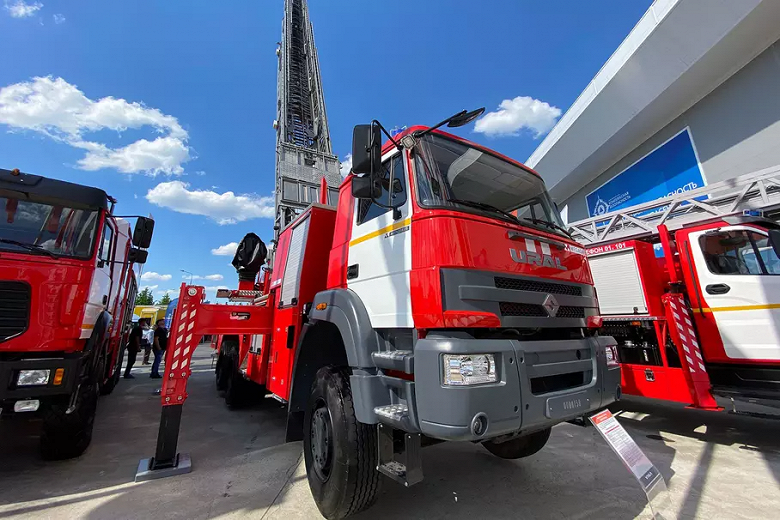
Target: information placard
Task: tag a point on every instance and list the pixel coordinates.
(636, 461)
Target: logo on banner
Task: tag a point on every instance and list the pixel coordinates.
(601, 207)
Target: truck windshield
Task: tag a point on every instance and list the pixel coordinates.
(40, 228)
(456, 176)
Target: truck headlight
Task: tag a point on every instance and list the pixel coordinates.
(32, 377)
(612, 355)
(469, 369)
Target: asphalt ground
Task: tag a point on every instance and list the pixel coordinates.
(716, 466)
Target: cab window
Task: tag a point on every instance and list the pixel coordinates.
(105, 244)
(739, 252)
(368, 209)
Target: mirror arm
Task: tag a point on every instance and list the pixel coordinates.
(420, 133)
(382, 128)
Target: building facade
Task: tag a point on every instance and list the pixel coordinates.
(690, 98)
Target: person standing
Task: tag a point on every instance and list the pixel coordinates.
(147, 338)
(133, 347)
(159, 346)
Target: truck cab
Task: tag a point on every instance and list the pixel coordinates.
(463, 267)
(67, 271)
(731, 276)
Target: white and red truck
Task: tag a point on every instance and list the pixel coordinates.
(440, 300)
(67, 288)
(689, 286)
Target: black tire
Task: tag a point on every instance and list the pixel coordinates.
(221, 374)
(67, 435)
(108, 387)
(340, 452)
(519, 447)
(236, 387)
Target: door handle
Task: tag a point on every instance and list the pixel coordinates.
(352, 271)
(717, 288)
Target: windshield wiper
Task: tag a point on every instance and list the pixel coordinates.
(28, 246)
(482, 205)
(549, 224)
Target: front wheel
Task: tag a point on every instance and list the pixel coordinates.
(67, 432)
(519, 447)
(340, 452)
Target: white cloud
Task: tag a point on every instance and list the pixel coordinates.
(200, 173)
(224, 208)
(59, 110)
(150, 287)
(164, 154)
(22, 9)
(346, 165)
(151, 276)
(513, 115)
(226, 250)
(59, 18)
(211, 277)
(169, 292)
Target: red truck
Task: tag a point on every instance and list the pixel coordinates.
(688, 285)
(440, 300)
(67, 289)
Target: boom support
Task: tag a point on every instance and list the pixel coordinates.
(192, 320)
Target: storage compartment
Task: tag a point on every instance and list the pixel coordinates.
(617, 281)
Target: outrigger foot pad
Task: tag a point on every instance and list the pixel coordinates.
(147, 471)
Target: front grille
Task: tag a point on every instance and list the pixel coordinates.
(14, 309)
(522, 309)
(567, 311)
(516, 284)
(532, 310)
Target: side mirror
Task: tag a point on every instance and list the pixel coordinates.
(366, 149)
(142, 235)
(366, 187)
(774, 239)
(137, 256)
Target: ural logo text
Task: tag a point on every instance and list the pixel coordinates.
(540, 260)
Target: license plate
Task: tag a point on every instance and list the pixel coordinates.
(567, 405)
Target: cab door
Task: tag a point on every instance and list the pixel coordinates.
(380, 256)
(739, 285)
(100, 288)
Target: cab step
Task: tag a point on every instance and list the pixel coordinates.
(396, 416)
(407, 468)
(400, 360)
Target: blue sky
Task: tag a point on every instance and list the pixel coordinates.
(168, 105)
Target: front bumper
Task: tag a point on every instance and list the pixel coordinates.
(539, 386)
(9, 370)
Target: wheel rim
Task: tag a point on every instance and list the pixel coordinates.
(321, 437)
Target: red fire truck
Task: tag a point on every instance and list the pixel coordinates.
(421, 309)
(67, 288)
(688, 287)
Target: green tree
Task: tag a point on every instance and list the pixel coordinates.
(165, 300)
(145, 297)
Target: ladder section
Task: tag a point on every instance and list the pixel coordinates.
(756, 191)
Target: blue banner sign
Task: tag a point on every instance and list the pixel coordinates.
(169, 313)
(671, 168)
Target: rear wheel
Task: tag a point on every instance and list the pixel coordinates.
(340, 452)
(519, 447)
(236, 387)
(108, 386)
(68, 432)
(221, 373)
